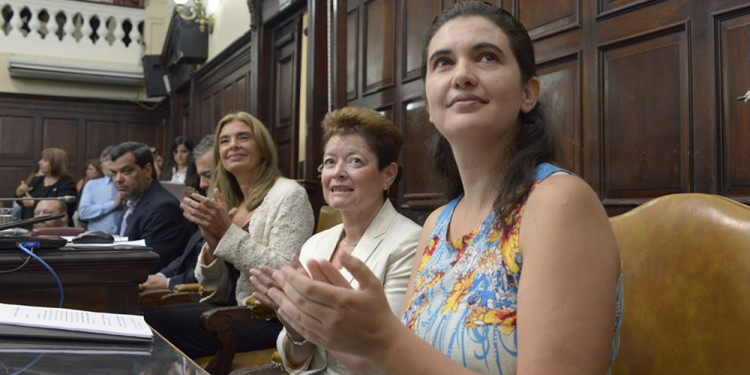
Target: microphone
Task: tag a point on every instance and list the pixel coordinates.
(64, 198)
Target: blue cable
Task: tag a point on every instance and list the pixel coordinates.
(29, 365)
(59, 284)
(27, 251)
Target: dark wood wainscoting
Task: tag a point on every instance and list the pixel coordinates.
(82, 127)
(642, 93)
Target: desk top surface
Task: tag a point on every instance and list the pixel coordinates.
(59, 358)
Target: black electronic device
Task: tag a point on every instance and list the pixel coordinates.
(185, 42)
(94, 236)
(154, 75)
(11, 242)
(31, 220)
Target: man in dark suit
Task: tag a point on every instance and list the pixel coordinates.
(182, 269)
(152, 213)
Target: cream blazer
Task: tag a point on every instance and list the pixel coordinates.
(387, 248)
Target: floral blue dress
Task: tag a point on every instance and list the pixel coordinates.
(464, 301)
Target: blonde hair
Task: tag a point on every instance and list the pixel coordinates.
(226, 182)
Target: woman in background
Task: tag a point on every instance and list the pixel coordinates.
(54, 180)
(519, 273)
(92, 170)
(176, 167)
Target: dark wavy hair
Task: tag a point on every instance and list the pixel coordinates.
(206, 144)
(169, 163)
(534, 141)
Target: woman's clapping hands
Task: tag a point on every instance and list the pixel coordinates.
(328, 312)
(210, 214)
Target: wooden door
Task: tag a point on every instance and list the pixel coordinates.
(284, 112)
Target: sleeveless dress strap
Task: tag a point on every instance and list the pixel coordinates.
(545, 170)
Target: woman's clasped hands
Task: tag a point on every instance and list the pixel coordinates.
(211, 215)
(322, 307)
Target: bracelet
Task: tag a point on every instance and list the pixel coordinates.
(295, 342)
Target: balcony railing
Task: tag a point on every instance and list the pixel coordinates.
(72, 30)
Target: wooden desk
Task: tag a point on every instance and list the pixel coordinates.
(162, 358)
(94, 280)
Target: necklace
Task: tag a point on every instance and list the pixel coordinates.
(345, 242)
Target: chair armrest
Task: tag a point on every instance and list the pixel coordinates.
(219, 321)
(192, 287)
(181, 297)
(267, 369)
(150, 298)
(221, 318)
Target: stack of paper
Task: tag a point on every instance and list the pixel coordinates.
(46, 325)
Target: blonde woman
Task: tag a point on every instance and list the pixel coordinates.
(252, 216)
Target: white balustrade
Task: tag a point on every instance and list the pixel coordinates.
(23, 32)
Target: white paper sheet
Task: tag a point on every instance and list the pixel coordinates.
(75, 320)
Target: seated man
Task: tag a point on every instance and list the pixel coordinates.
(100, 204)
(152, 213)
(51, 207)
(182, 269)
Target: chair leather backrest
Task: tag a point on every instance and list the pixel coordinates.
(57, 231)
(686, 279)
(327, 218)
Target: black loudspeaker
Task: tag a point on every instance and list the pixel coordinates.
(155, 76)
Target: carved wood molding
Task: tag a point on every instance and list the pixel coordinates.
(254, 7)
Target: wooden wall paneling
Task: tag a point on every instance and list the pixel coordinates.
(317, 85)
(379, 47)
(733, 74)
(611, 7)
(352, 53)
(642, 92)
(498, 3)
(206, 114)
(17, 152)
(81, 126)
(241, 93)
(217, 102)
(418, 130)
(221, 86)
(145, 133)
(561, 100)
(416, 18)
(17, 137)
(543, 18)
(185, 116)
(229, 99)
(97, 136)
(645, 117)
(284, 121)
(62, 133)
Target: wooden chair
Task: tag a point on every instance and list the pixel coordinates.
(328, 217)
(181, 293)
(220, 320)
(686, 278)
